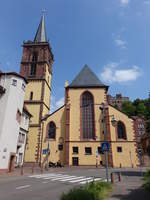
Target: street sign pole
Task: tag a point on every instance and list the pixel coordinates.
(47, 156)
(106, 152)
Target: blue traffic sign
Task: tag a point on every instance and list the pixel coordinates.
(105, 146)
(44, 151)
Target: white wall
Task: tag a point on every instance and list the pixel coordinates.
(24, 127)
(11, 101)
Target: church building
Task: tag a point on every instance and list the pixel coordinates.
(74, 133)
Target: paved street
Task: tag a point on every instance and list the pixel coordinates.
(49, 185)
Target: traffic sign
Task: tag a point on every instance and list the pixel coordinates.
(105, 146)
(44, 151)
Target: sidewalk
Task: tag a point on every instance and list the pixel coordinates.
(129, 189)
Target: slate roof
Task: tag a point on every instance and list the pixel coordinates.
(86, 78)
(41, 33)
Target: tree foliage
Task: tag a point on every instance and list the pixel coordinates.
(129, 108)
(139, 107)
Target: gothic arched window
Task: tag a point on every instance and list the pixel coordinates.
(51, 130)
(34, 63)
(87, 116)
(121, 130)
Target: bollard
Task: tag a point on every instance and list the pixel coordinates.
(22, 172)
(119, 176)
(112, 177)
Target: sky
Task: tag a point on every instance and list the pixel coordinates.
(111, 36)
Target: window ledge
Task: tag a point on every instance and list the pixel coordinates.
(88, 154)
(92, 140)
(51, 139)
(121, 139)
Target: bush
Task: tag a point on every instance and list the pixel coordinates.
(146, 184)
(100, 190)
(91, 191)
(78, 194)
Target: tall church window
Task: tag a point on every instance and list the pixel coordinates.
(51, 130)
(87, 115)
(121, 130)
(34, 64)
(31, 96)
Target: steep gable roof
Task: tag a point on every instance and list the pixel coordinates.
(86, 78)
(41, 33)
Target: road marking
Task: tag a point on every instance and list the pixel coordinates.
(45, 182)
(88, 181)
(56, 176)
(75, 177)
(81, 179)
(66, 178)
(60, 178)
(22, 187)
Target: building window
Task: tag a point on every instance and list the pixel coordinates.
(100, 150)
(18, 116)
(60, 147)
(75, 150)
(23, 86)
(121, 130)
(14, 82)
(21, 138)
(119, 149)
(87, 115)
(31, 96)
(52, 130)
(34, 64)
(88, 150)
(20, 158)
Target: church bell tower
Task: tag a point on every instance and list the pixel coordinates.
(36, 67)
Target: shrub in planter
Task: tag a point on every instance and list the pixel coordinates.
(91, 191)
(78, 194)
(100, 190)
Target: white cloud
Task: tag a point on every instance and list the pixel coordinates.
(124, 2)
(111, 73)
(120, 43)
(55, 104)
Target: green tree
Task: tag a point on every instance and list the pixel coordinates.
(128, 108)
(141, 109)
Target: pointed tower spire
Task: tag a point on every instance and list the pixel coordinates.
(41, 33)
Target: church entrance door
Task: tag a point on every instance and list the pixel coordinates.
(75, 161)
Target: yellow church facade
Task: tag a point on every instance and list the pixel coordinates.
(79, 148)
(75, 132)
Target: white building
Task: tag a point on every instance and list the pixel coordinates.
(11, 105)
(22, 137)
